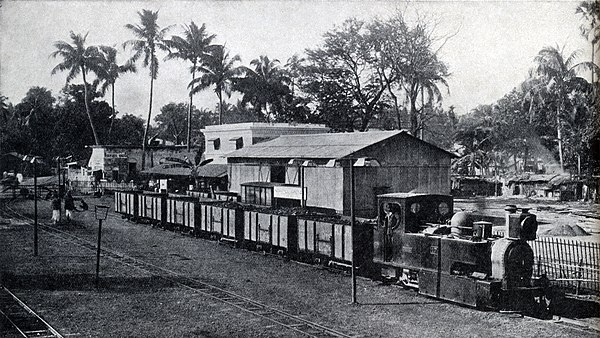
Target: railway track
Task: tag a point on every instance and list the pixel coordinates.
(23, 319)
(279, 317)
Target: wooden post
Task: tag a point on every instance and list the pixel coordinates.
(352, 223)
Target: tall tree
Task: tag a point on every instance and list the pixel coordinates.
(194, 47)
(219, 70)
(264, 86)
(559, 73)
(109, 72)
(590, 15)
(149, 39)
(347, 60)
(77, 58)
(411, 53)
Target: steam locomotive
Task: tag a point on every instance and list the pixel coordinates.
(416, 241)
(461, 261)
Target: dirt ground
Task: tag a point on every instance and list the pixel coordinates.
(550, 214)
(59, 285)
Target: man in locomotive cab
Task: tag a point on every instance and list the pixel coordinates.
(391, 222)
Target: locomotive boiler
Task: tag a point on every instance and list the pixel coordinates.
(460, 262)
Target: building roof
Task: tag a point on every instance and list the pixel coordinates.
(318, 146)
(212, 170)
(169, 169)
(264, 125)
(178, 169)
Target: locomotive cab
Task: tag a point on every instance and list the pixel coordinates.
(399, 238)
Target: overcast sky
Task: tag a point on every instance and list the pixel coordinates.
(491, 53)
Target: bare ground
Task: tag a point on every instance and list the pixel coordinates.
(59, 284)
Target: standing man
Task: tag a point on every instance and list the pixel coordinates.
(55, 208)
(69, 206)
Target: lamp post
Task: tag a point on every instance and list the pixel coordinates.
(352, 222)
(356, 162)
(101, 212)
(33, 160)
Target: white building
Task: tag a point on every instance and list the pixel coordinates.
(220, 140)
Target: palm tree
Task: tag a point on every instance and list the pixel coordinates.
(78, 59)
(150, 37)
(219, 70)
(559, 73)
(109, 73)
(264, 85)
(193, 47)
(590, 15)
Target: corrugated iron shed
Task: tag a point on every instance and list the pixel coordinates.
(317, 146)
(212, 170)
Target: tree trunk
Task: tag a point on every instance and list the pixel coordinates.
(145, 140)
(220, 95)
(114, 113)
(87, 107)
(559, 136)
(189, 121)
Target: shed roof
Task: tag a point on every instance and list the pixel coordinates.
(169, 169)
(212, 170)
(328, 146)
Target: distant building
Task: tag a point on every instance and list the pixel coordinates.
(122, 163)
(314, 170)
(222, 139)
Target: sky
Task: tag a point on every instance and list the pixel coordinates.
(491, 52)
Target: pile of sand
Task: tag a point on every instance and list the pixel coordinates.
(565, 230)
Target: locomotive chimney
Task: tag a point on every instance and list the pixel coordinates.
(513, 222)
(529, 225)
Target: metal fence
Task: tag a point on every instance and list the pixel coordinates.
(572, 264)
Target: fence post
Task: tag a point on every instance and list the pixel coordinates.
(578, 277)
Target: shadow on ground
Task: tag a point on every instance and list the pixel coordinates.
(570, 307)
(81, 282)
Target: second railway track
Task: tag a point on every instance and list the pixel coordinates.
(279, 317)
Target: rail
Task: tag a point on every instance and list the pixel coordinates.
(282, 318)
(24, 320)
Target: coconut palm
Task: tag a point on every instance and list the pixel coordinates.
(590, 15)
(559, 73)
(77, 58)
(109, 72)
(149, 38)
(193, 47)
(220, 71)
(263, 86)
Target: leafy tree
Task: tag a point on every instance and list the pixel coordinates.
(193, 47)
(77, 58)
(71, 132)
(346, 68)
(220, 71)
(172, 121)
(263, 87)
(149, 38)
(108, 72)
(415, 67)
(128, 130)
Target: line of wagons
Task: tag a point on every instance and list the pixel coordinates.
(325, 239)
